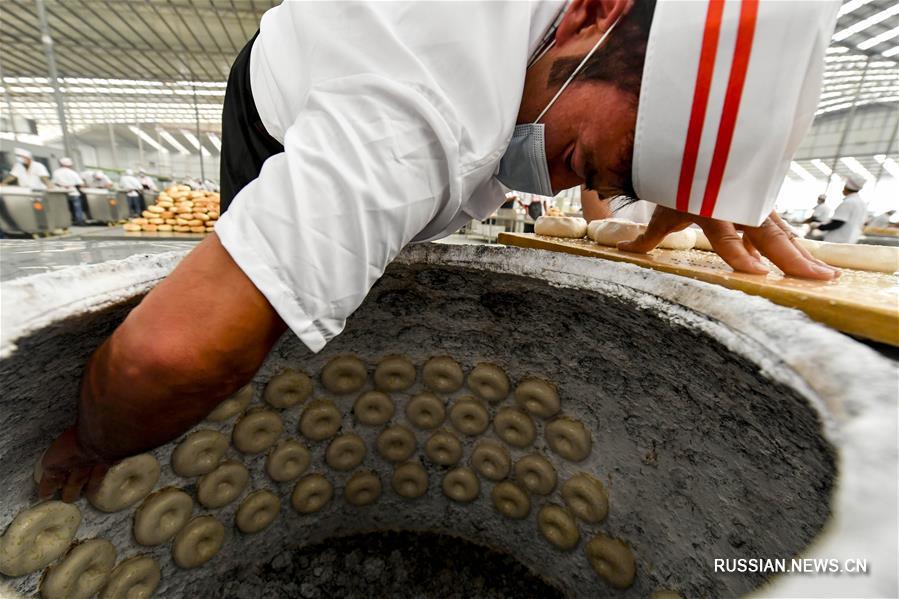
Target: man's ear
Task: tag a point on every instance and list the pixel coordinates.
(584, 15)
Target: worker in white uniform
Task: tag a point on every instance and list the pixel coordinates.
(132, 187)
(27, 172)
(68, 178)
(353, 129)
(848, 220)
(99, 180)
(146, 181)
(821, 213)
(882, 220)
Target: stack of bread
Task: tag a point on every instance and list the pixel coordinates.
(179, 209)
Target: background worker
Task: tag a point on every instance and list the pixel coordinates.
(821, 213)
(27, 172)
(429, 116)
(848, 220)
(132, 187)
(68, 178)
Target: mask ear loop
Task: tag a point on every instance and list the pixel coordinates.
(576, 70)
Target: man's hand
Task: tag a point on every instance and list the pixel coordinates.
(773, 239)
(69, 467)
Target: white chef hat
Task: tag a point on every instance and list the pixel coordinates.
(729, 90)
(854, 182)
(23, 153)
(65, 161)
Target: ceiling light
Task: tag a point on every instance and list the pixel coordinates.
(146, 138)
(856, 167)
(851, 6)
(174, 142)
(195, 142)
(801, 172)
(891, 166)
(882, 37)
(819, 164)
(215, 141)
(865, 23)
(891, 52)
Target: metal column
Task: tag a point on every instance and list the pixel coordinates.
(140, 148)
(199, 140)
(846, 129)
(9, 110)
(115, 150)
(51, 71)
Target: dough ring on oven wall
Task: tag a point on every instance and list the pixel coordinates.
(311, 493)
(514, 427)
(469, 416)
(396, 443)
(491, 459)
(345, 452)
(37, 536)
(232, 406)
(569, 438)
(394, 373)
(287, 389)
(320, 420)
(200, 452)
(489, 382)
(223, 485)
(81, 573)
(538, 397)
(198, 542)
(126, 483)
(426, 411)
(586, 498)
(287, 461)
(257, 511)
(344, 374)
(410, 480)
(134, 578)
(442, 374)
(373, 408)
(161, 516)
(257, 430)
(613, 560)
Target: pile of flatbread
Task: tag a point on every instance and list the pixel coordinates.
(179, 209)
(611, 231)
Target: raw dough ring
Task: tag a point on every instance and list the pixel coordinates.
(610, 231)
(569, 438)
(287, 460)
(557, 526)
(396, 443)
(586, 498)
(613, 560)
(311, 493)
(461, 484)
(876, 258)
(426, 411)
(538, 397)
(442, 374)
(232, 406)
(81, 573)
(126, 483)
(320, 420)
(410, 480)
(491, 459)
(444, 448)
(489, 382)
(37, 536)
(394, 373)
(257, 430)
(536, 473)
(161, 516)
(514, 427)
(135, 578)
(344, 374)
(345, 452)
(373, 408)
(574, 227)
(469, 416)
(200, 452)
(362, 489)
(257, 511)
(198, 542)
(223, 485)
(287, 389)
(511, 500)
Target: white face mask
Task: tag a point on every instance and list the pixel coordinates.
(524, 167)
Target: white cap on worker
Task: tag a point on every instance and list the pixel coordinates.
(129, 172)
(854, 182)
(23, 153)
(729, 90)
(65, 161)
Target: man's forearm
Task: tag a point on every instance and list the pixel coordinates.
(830, 226)
(195, 339)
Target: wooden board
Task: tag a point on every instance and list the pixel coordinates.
(865, 304)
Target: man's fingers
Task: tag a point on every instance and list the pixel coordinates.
(76, 481)
(50, 483)
(655, 232)
(776, 245)
(751, 249)
(730, 246)
(791, 234)
(96, 477)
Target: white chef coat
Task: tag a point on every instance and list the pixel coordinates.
(148, 182)
(822, 213)
(853, 212)
(67, 178)
(638, 212)
(881, 220)
(130, 183)
(30, 177)
(393, 116)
